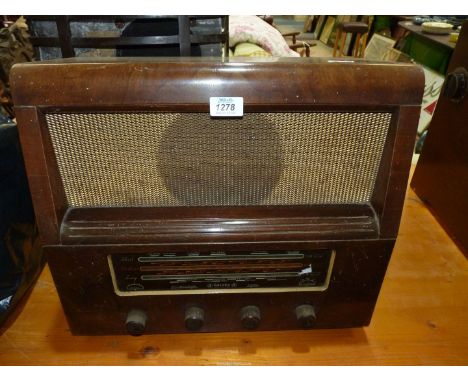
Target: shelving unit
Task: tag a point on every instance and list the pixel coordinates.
(68, 42)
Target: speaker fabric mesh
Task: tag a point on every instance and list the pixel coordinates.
(189, 159)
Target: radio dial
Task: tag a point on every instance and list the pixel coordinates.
(250, 317)
(136, 322)
(194, 318)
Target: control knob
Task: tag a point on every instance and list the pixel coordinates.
(305, 315)
(194, 318)
(456, 84)
(250, 317)
(136, 322)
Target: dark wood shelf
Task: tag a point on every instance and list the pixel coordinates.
(67, 42)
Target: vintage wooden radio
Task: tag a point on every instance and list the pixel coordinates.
(179, 195)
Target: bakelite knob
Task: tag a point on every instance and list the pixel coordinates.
(305, 315)
(456, 85)
(194, 318)
(136, 322)
(250, 317)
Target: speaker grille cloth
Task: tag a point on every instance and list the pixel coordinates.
(189, 159)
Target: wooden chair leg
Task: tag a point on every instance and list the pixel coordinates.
(364, 42)
(335, 46)
(342, 44)
(356, 45)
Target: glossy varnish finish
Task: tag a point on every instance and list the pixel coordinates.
(189, 82)
(78, 241)
(197, 224)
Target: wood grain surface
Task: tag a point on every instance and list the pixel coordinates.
(442, 172)
(421, 318)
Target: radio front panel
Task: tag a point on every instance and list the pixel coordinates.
(340, 290)
(161, 212)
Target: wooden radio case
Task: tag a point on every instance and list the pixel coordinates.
(157, 217)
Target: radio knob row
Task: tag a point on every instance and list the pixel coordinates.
(250, 317)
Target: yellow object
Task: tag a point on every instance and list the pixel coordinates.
(453, 37)
(248, 49)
